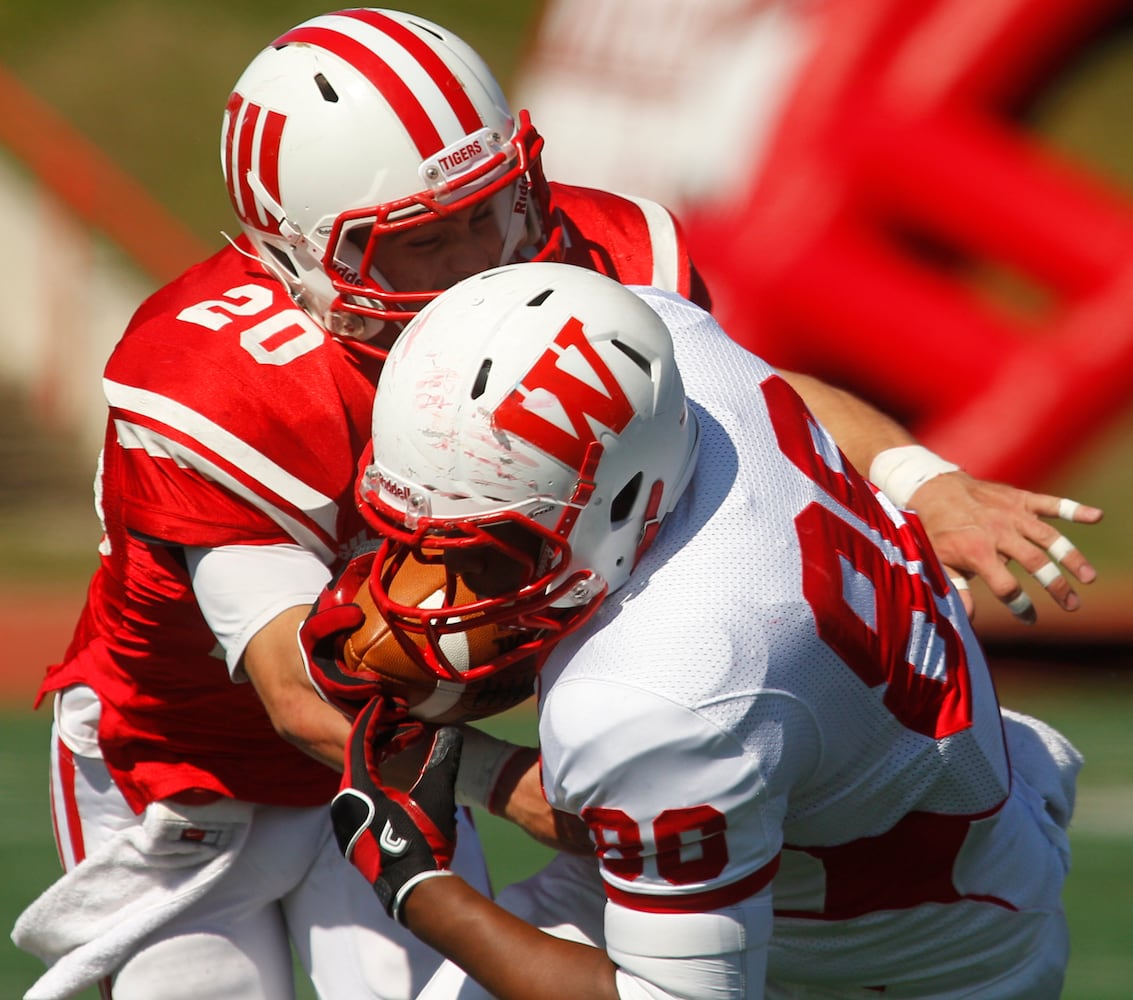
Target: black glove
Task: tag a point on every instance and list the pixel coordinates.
(396, 839)
(332, 620)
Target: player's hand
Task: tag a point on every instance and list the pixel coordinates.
(977, 528)
(331, 621)
(397, 839)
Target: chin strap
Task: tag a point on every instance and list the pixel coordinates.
(250, 254)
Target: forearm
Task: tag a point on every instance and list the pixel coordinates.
(506, 955)
(504, 780)
(313, 726)
(860, 429)
(976, 528)
(274, 665)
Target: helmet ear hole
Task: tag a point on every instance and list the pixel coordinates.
(635, 356)
(330, 95)
(623, 503)
(482, 378)
(282, 259)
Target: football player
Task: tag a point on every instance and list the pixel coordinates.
(798, 785)
(371, 160)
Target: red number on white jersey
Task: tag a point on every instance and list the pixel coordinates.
(877, 597)
(690, 843)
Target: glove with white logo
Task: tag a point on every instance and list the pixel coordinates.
(396, 839)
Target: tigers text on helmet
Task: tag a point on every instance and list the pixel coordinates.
(364, 123)
(532, 417)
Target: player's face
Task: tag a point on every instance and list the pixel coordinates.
(438, 254)
(497, 570)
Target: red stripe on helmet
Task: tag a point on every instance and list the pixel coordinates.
(412, 114)
(243, 118)
(447, 83)
(235, 103)
(269, 152)
(242, 162)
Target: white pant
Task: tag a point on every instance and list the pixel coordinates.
(287, 884)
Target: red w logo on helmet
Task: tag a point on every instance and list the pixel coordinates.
(555, 410)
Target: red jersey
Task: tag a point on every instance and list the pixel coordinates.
(235, 419)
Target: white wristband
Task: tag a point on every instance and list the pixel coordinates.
(900, 472)
(410, 884)
(481, 762)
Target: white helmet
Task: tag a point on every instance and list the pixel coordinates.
(360, 123)
(536, 396)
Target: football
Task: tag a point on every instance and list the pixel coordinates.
(372, 649)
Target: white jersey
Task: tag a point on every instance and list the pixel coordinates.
(787, 699)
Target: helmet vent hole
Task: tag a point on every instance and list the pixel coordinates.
(282, 259)
(540, 298)
(330, 95)
(636, 357)
(425, 28)
(482, 378)
(623, 503)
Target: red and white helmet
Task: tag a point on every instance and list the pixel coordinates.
(364, 122)
(539, 399)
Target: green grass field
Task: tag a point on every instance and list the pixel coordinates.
(1091, 709)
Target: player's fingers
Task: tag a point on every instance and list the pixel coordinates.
(1066, 554)
(1060, 548)
(1040, 549)
(1004, 585)
(964, 591)
(1049, 576)
(1021, 606)
(1063, 508)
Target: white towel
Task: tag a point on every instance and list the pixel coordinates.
(86, 924)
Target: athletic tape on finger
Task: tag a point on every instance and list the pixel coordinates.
(1046, 574)
(959, 583)
(1060, 548)
(1067, 508)
(1019, 605)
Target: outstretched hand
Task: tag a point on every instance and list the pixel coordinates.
(977, 528)
(397, 839)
